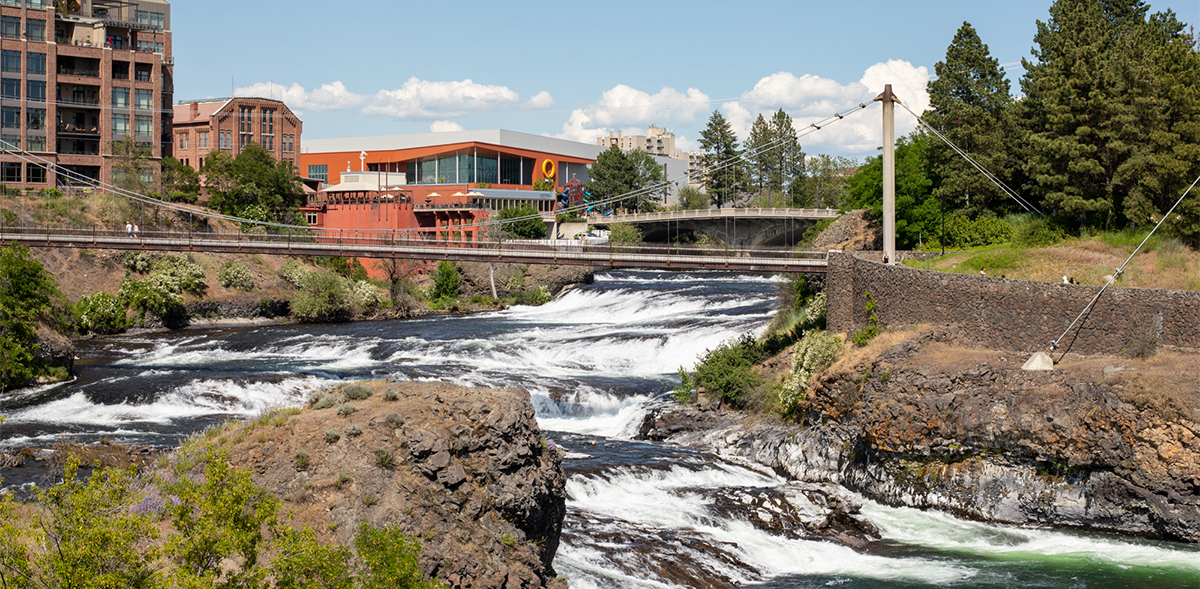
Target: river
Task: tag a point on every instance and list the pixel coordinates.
(639, 514)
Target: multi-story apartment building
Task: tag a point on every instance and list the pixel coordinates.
(77, 78)
(201, 127)
(657, 141)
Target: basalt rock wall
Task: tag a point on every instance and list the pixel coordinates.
(1009, 314)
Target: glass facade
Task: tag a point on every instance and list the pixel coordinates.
(120, 125)
(37, 143)
(37, 90)
(120, 97)
(35, 29)
(35, 63)
(320, 172)
(10, 87)
(471, 167)
(10, 61)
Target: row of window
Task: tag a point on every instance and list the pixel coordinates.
(10, 117)
(38, 4)
(10, 28)
(154, 19)
(10, 62)
(319, 172)
(143, 98)
(142, 125)
(10, 173)
(32, 142)
(11, 88)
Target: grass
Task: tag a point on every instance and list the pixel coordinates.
(1164, 262)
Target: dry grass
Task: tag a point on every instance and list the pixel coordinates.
(1165, 263)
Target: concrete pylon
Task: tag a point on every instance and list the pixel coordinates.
(889, 171)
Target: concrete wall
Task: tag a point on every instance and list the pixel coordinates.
(1008, 314)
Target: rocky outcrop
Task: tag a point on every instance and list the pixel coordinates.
(1096, 447)
(466, 471)
(519, 277)
(54, 355)
(850, 232)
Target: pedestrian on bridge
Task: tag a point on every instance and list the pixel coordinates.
(128, 229)
(135, 230)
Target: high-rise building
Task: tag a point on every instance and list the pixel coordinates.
(230, 124)
(74, 80)
(656, 141)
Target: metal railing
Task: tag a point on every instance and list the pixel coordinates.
(774, 213)
(432, 243)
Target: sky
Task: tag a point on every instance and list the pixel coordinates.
(578, 70)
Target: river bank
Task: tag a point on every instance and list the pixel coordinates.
(919, 419)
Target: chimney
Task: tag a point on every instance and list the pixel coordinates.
(195, 109)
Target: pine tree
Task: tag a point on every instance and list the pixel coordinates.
(790, 169)
(760, 159)
(971, 106)
(1111, 110)
(725, 175)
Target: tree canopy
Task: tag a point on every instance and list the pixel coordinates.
(253, 185)
(725, 175)
(618, 173)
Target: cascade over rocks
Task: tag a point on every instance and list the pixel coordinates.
(1090, 445)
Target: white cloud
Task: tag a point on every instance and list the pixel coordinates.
(445, 126)
(628, 109)
(810, 99)
(416, 99)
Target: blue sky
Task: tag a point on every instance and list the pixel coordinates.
(578, 70)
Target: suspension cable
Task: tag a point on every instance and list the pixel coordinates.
(1055, 344)
(1025, 204)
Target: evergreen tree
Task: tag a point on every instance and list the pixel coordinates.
(971, 106)
(613, 174)
(760, 160)
(1111, 110)
(725, 175)
(790, 169)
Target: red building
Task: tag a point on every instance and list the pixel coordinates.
(230, 124)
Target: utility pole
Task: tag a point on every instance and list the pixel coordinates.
(889, 171)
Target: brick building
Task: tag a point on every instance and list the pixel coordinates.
(230, 124)
(73, 82)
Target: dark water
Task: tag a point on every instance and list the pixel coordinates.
(638, 513)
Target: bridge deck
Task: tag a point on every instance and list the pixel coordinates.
(389, 245)
(714, 214)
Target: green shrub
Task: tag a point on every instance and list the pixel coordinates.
(300, 459)
(391, 395)
(816, 351)
(353, 431)
(179, 273)
(325, 298)
(323, 399)
(727, 371)
(1037, 233)
(446, 281)
(624, 233)
(234, 274)
(533, 297)
(155, 297)
(345, 410)
(384, 459)
(138, 262)
(100, 313)
(331, 436)
(356, 392)
(394, 420)
(963, 232)
(530, 226)
(294, 272)
(10, 218)
(367, 297)
(28, 296)
(872, 328)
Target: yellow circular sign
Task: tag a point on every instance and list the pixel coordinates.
(548, 169)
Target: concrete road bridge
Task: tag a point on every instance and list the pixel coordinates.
(391, 244)
(739, 227)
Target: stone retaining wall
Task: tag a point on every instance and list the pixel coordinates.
(1010, 314)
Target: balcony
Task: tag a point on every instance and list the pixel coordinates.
(66, 71)
(73, 129)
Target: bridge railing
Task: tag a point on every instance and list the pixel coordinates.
(714, 214)
(362, 242)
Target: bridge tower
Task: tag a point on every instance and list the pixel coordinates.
(889, 171)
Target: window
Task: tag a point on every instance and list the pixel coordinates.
(143, 17)
(10, 61)
(149, 47)
(143, 125)
(10, 117)
(35, 29)
(36, 117)
(245, 139)
(35, 173)
(320, 172)
(183, 141)
(10, 141)
(120, 125)
(10, 88)
(229, 140)
(203, 140)
(10, 2)
(269, 142)
(143, 99)
(35, 3)
(10, 172)
(268, 121)
(35, 64)
(120, 97)
(245, 119)
(156, 19)
(10, 27)
(37, 90)
(36, 143)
